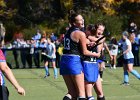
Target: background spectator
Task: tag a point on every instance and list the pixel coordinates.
(2, 34)
(120, 56)
(135, 48)
(113, 51)
(53, 37)
(132, 27)
(37, 36)
(15, 44)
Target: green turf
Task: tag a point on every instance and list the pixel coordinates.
(38, 88)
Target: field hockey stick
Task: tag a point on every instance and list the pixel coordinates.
(43, 53)
(118, 56)
(106, 61)
(104, 36)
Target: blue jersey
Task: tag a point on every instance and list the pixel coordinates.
(89, 58)
(129, 54)
(90, 67)
(70, 63)
(70, 46)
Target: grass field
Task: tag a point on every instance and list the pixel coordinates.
(39, 88)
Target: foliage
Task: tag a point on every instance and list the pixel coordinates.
(114, 24)
(51, 15)
(6, 11)
(11, 28)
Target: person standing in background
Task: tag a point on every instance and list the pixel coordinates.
(43, 44)
(128, 59)
(16, 44)
(50, 57)
(37, 36)
(29, 53)
(36, 55)
(2, 34)
(23, 52)
(113, 52)
(135, 48)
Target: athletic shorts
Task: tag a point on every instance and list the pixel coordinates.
(100, 61)
(70, 65)
(4, 93)
(91, 71)
(50, 59)
(129, 61)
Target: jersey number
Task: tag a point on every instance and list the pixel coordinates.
(66, 43)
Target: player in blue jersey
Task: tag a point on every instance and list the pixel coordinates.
(91, 71)
(50, 57)
(128, 59)
(96, 32)
(70, 66)
(4, 69)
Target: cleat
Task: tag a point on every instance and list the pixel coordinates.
(91, 98)
(125, 83)
(55, 77)
(45, 76)
(48, 74)
(101, 79)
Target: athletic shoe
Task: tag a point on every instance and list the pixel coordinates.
(110, 66)
(66, 98)
(104, 67)
(45, 76)
(91, 98)
(48, 74)
(125, 83)
(101, 98)
(55, 77)
(114, 66)
(101, 79)
(81, 99)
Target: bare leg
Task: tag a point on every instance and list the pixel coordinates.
(79, 83)
(89, 87)
(99, 90)
(101, 68)
(70, 85)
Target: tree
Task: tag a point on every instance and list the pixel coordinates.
(6, 12)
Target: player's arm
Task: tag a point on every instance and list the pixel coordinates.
(82, 38)
(106, 47)
(9, 75)
(54, 48)
(92, 41)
